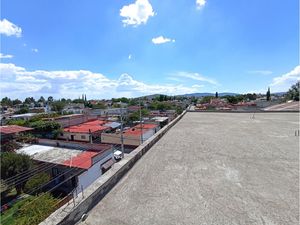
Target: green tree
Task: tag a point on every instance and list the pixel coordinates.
(29, 100)
(42, 99)
(78, 101)
(36, 181)
(268, 94)
(99, 106)
(35, 209)
(217, 95)
(45, 126)
(18, 122)
(58, 106)
(206, 99)
(293, 93)
(135, 116)
(22, 110)
(16, 102)
(13, 164)
(6, 102)
(232, 99)
(50, 99)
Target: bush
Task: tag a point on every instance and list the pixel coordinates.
(35, 209)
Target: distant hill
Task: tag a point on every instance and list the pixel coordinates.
(209, 94)
(279, 93)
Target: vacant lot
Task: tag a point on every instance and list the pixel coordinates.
(212, 168)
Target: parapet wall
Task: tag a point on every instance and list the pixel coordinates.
(70, 214)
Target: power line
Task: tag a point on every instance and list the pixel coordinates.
(53, 188)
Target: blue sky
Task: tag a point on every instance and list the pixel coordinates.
(105, 49)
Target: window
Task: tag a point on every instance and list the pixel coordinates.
(82, 136)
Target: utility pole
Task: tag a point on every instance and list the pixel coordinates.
(122, 138)
(141, 122)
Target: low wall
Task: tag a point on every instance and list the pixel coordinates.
(70, 214)
(74, 145)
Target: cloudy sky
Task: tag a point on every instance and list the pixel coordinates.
(115, 48)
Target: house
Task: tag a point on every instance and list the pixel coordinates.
(73, 167)
(161, 120)
(11, 131)
(76, 108)
(132, 136)
(71, 120)
(134, 108)
(105, 112)
(86, 132)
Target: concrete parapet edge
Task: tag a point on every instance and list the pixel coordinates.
(70, 214)
(250, 111)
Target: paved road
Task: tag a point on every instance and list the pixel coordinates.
(212, 168)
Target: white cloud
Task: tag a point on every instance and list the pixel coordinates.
(19, 82)
(195, 76)
(161, 40)
(136, 13)
(129, 56)
(285, 81)
(35, 50)
(3, 56)
(200, 3)
(9, 29)
(260, 72)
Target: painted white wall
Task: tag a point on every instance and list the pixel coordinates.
(88, 177)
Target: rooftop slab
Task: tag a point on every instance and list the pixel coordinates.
(212, 168)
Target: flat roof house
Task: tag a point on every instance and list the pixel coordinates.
(72, 168)
(132, 136)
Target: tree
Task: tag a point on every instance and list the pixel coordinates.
(58, 106)
(22, 110)
(29, 100)
(35, 209)
(78, 101)
(99, 105)
(268, 94)
(41, 126)
(36, 182)
(293, 93)
(206, 99)
(16, 102)
(6, 102)
(42, 99)
(13, 164)
(135, 116)
(217, 95)
(50, 99)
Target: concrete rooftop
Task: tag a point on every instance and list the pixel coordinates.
(212, 168)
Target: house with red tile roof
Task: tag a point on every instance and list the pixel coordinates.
(11, 131)
(86, 132)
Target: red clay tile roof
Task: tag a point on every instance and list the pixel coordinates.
(12, 129)
(136, 130)
(91, 126)
(83, 160)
